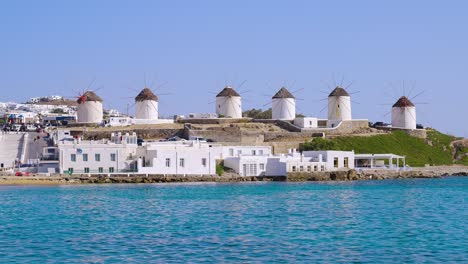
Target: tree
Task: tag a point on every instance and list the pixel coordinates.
(57, 111)
(258, 113)
(319, 144)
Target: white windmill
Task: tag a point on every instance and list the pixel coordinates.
(229, 103)
(404, 114)
(89, 108)
(146, 105)
(339, 106)
(283, 105)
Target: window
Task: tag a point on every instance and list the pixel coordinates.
(231, 152)
(182, 162)
(97, 157)
(70, 170)
(315, 167)
(111, 169)
(250, 169)
(346, 162)
(86, 170)
(260, 152)
(301, 168)
(309, 168)
(85, 157)
(112, 156)
(101, 169)
(293, 168)
(73, 157)
(310, 123)
(335, 162)
(254, 152)
(322, 168)
(262, 166)
(203, 162)
(168, 162)
(239, 152)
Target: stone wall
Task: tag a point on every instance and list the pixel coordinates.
(141, 133)
(213, 121)
(419, 133)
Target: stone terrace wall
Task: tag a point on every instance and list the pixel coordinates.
(141, 133)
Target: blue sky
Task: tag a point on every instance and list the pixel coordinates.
(196, 47)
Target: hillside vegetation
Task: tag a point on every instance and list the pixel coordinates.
(436, 150)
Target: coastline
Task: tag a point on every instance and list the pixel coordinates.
(351, 175)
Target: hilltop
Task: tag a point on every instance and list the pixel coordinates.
(437, 149)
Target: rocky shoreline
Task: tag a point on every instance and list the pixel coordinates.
(351, 175)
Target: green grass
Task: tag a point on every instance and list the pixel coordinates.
(416, 150)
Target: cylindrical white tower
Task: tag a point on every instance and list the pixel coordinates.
(229, 103)
(339, 105)
(146, 105)
(283, 105)
(89, 108)
(404, 114)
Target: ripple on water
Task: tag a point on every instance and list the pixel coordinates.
(373, 221)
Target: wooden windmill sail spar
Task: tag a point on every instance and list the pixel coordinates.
(283, 105)
(228, 103)
(146, 104)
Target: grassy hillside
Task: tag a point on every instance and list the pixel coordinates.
(416, 150)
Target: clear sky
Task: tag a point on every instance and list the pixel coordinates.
(196, 47)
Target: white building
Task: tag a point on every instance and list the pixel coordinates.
(339, 107)
(404, 114)
(89, 108)
(146, 105)
(200, 116)
(235, 151)
(177, 158)
(103, 156)
(283, 105)
(119, 121)
(228, 103)
(280, 165)
(306, 122)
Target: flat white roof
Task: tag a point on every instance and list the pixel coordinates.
(378, 156)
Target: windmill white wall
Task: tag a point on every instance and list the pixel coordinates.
(283, 105)
(404, 117)
(283, 108)
(146, 109)
(229, 103)
(230, 106)
(339, 105)
(89, 112)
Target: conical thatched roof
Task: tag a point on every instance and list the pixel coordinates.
(403, 102)
(227, 92)
(89, 96)
(283, 93)
(339, 91)
(146, 94)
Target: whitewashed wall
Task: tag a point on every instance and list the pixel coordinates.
(283, 108)
(89, 112)
(125, 153)
(339, 108)
(155, 156)
(404, 117)
(306, 122)
(146, 109)
(230, 107)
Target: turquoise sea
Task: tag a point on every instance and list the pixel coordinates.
(392, 221)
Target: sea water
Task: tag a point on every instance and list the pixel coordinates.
(412, 220)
